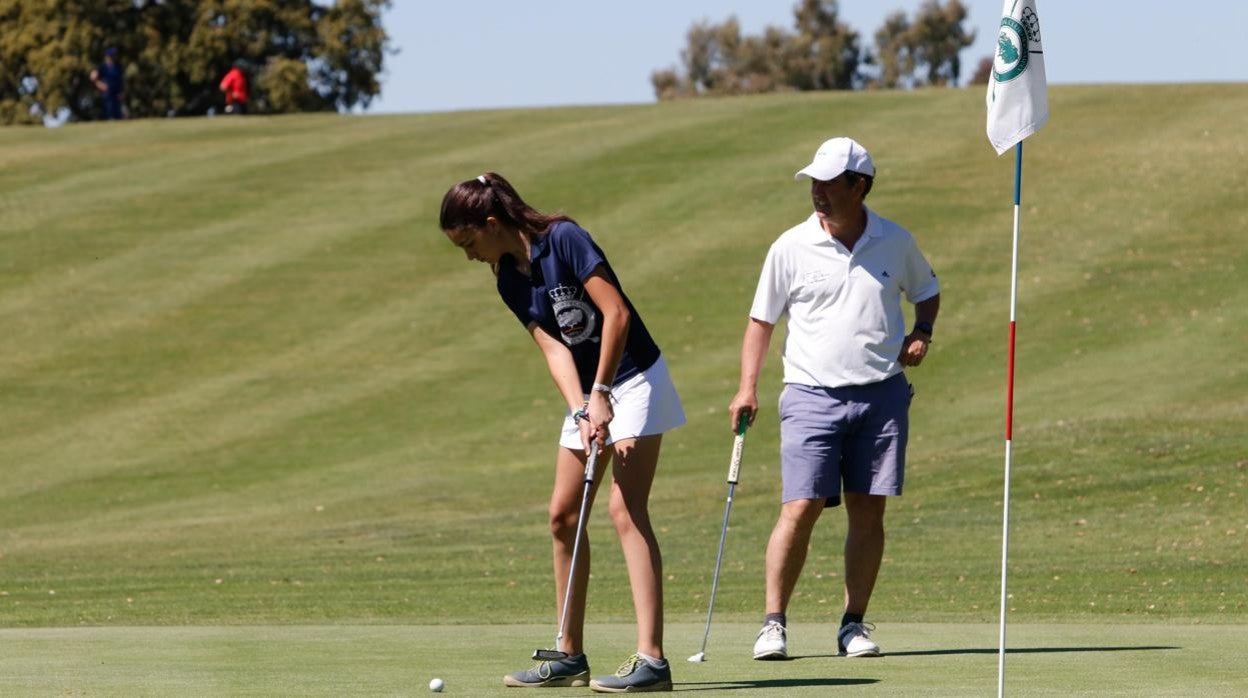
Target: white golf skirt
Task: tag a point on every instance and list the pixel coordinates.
(645, 404)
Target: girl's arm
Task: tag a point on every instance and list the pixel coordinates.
(615, 322)
(563, 371)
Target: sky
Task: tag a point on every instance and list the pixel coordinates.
(485, 54)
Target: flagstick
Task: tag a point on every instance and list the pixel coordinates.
(1009, 418)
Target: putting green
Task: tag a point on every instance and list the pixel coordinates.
(921, 659)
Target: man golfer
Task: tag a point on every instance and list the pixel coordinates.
(840, 276)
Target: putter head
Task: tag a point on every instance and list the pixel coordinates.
(699, 657)
(549, 655)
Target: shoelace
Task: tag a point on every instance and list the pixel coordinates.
(542, 669)
(772, 630)
(863, 629)
(629, 665)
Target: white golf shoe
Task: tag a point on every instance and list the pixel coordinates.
(771, 642)
(854, 640)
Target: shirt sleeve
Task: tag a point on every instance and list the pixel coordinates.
(920, 279)
(574, 247)
(771, 298)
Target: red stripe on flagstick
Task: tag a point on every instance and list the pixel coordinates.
(1009, 389)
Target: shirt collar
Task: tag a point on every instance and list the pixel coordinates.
(874, 229)
(813, 233)
(539, 245)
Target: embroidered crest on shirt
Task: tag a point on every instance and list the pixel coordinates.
(576, 318)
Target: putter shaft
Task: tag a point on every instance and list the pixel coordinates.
(734, 471)
(591, 464)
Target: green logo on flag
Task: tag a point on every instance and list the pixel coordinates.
(1011, 58)
(1013, 45)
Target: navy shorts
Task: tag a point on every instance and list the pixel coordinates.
(851, 438)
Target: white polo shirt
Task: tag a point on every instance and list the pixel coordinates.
(845, 321)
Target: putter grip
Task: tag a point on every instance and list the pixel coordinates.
(591, 464)
(738, 446)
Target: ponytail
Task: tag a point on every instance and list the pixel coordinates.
(469, 203)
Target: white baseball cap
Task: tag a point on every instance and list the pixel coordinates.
(835, 156)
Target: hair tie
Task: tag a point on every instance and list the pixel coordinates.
(481, 179)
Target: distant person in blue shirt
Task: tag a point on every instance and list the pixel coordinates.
(109, 78)
(619, 397)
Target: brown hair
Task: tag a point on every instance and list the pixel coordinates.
(851, 178)
(469, 203)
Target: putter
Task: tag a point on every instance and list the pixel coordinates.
(554, 655)
(734, 471)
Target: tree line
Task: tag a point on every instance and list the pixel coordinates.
(820, 53)
(299, 55)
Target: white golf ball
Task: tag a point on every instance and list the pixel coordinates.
(436, 685)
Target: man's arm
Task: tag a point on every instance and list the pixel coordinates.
(914, 346)
(753, 354)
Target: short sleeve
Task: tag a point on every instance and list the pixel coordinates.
(574, 247)
(771, 297)
(920, 279)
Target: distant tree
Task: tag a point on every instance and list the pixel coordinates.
(894, 52)
(718, 60)
(303, 55)
(765, 61)
(710, 59)
(983, 71)
(46, 56)
(826, 54)
(821, 54)
(938, 37)
(700, 60)
(283, 87)
(922, 51)
(668, 84)
(351, 47)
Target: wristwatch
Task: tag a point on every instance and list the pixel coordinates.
(924, 327)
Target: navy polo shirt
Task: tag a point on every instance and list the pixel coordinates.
(113, 76)
(554, 297)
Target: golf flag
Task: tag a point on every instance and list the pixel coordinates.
(1017, 107)
(1017, 101)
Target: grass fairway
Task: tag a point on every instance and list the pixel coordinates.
(245, 382)
(395, 660)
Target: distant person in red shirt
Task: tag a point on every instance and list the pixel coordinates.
(234, 85)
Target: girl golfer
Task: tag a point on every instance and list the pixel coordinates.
(620, 398)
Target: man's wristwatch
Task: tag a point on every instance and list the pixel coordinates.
(602, 388)
(924, 327)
